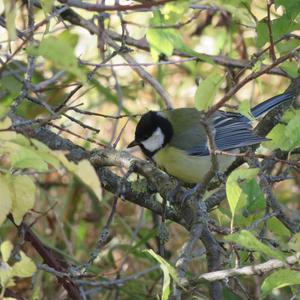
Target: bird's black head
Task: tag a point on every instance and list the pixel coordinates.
(153, 132)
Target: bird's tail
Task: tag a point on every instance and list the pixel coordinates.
(271, 103)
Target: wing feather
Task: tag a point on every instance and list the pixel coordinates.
(232, 131)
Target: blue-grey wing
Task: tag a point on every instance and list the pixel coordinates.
(231, 131)
(234, 131)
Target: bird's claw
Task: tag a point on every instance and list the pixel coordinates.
(221, 176)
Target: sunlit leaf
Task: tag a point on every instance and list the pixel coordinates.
(233, 190)
(171, 270)
(255, 197)
(279, 279)
(160, 40)
(207, 90)
(5, 249)
(278, 139)
(87, 174)
(46, 153)
(22, 190)
(294, 242)
(292, 8)
(10, 15)
(248, 240)
(25, 267)
(173, 11)
(5, 273)
(6, 123)
(245, 110)
(166, 283)
(291, 68)
(24, 158)
(292, 131)
(51, 49)
(5, 199)
(278, 228)
(47, 5)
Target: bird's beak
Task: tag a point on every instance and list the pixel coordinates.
(132, 144)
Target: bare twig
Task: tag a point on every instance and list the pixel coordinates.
(259, 269)
(269, 23)
(249, 78)
(102, 8)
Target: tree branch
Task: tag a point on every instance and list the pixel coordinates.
(259, 269)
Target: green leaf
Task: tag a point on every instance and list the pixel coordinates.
(286, 46)
(5, 199)
(160, 40)
(46, 153)
(22, 190)
(292, 7)
(173, 11)
(245, 110)
(47, 5)
(294, 242)
(23, 158)
(292, 131)
(51, 49)
(207, 90)
(280, 27)
(10, 84)
(5, 249)
(238, 8)
(25, 267)
(233, 190)
(278, 228)
(262, 33)
(277, 139)
(10, 16)
(291, 68)
(171, 270)
(166, 283)
(279, 279)
(255, 197)
(5, 274)
(87, 174)
(248, 240)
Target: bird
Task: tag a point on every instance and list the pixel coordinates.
(177, 142)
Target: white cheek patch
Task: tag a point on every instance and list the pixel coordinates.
(155, 141)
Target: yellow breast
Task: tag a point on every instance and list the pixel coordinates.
(187, 168)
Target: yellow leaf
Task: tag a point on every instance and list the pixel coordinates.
(5, 199)
(5, 274)
(24, 158)
(46, 153)
(10, 14)
(7, 135)
(25, 267)
(87, 174)
(6, 123)
(5, 249)
(1, 7)
(70, 166)
(22, 190)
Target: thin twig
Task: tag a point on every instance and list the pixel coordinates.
(102, 8)
(249, 78)
(269, 23)
(259, 269)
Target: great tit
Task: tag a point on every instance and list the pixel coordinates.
(177, 141)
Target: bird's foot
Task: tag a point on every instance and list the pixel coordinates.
(221, 176)
(189, 193)
(172, 194)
